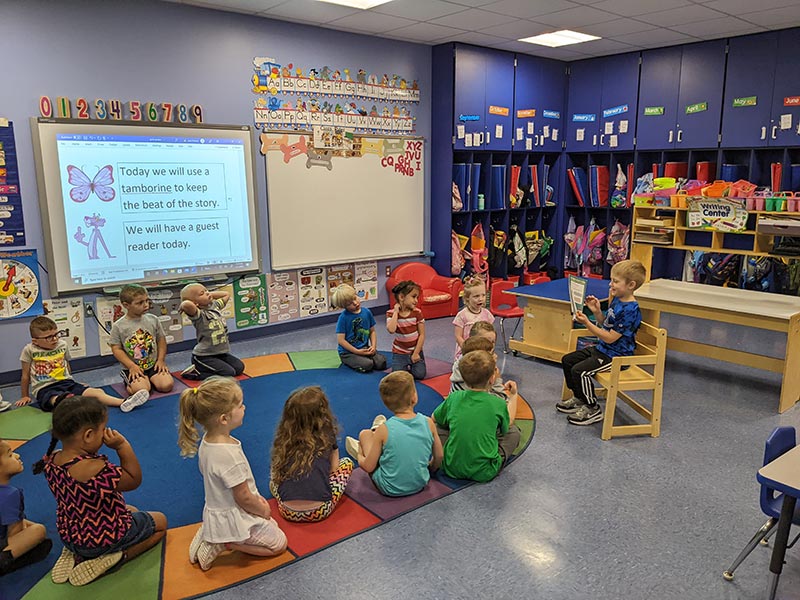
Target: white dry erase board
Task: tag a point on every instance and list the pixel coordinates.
(338, 197)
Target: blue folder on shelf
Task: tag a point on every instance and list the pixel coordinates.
(475, 180)
(460, 179)
(545, 174)
(598, 185)
(733, 172)
(499, 187)
(580, 185)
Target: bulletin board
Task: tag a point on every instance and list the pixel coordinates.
(336, 197)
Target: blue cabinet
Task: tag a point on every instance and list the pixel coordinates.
(484, 97)
(749, 80)
(602, 103)
(680, 97)
(786, 91)
(539, 85)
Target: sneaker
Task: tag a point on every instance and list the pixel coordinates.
(586, 415)
(89, 570)
(195, 545)
(352, 445)
(570, 406)
(378, 421)
(191, 373)
(5, 405)
(137, 399)
(207, 553)
(63, 567)
(125, 377)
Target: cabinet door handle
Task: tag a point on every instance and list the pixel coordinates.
(680, 135)
(670, 136)
(602, 137)
(594, 140)
(536, 140)
(774, 131)
(763, 133)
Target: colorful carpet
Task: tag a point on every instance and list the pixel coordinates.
(174, 486)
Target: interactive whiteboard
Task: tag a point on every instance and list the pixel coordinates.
(337, 197)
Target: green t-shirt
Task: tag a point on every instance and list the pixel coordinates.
(474, 419)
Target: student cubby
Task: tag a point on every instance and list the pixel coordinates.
(721, 109)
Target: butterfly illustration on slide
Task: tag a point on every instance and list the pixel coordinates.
(82, 186)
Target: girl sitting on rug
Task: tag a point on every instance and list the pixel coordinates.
(406, 321)
(235, 516)
(98, 529)
(307, 478)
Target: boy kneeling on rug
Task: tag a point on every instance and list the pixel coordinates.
(398, 453)
(476, 427)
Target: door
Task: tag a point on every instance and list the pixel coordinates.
(749, 80)
(498, 99)
(585, 93)
(786, 92)
(538, 104)
(618, 106)
(658, 99)
(700, 97)
(470, 95)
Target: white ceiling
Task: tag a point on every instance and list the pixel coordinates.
(624, 25)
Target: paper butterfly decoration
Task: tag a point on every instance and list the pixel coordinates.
(82, 186)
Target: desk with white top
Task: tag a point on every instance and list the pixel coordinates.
(760, 310)
(782, 474)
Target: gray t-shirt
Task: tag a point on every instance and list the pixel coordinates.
(212, 330)
(46, 366)
(139, 338)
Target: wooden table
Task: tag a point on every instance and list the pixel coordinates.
(548, 320)
(759, 310)
(782, 474)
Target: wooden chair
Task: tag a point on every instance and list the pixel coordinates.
(645, 372)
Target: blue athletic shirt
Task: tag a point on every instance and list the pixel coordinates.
(625, 318)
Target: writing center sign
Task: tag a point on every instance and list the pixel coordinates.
(716, 214)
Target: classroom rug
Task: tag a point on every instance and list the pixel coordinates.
(174, 486)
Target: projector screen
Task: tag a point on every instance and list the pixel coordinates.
(144, 203)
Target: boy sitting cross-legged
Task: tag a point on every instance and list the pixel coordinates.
(398, 453)
(476, 427)
(46, 378)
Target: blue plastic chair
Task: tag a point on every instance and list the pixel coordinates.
(780, 441)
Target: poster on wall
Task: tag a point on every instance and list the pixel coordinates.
(284, 303)
(68, 316)
(366, 284)
(313, 292)
(338, 275)
(165, 305)
(20, 294)
(12, 227)
(250, 301)
(108, 309)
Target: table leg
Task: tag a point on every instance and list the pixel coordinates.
(790, 386)
(781, 539)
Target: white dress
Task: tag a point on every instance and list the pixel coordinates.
(224, 466)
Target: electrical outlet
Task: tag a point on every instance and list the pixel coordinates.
(388, 271)
(89, 309)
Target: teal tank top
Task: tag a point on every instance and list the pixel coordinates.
(403, 465)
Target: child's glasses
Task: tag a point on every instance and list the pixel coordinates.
(51, 338)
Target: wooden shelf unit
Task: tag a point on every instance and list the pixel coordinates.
(680, 237)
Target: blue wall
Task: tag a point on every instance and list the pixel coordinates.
(154, 51)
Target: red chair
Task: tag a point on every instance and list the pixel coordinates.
(440, 295)
(504, 306)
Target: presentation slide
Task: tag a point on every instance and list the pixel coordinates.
(151, 207)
